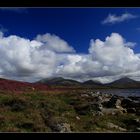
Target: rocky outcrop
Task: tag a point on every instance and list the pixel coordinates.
(114, 102)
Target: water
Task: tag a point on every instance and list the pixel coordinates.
(122, 92)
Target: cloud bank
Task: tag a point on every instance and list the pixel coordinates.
(48, 55)
(112, 18)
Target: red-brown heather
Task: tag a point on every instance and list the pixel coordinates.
(18, 86)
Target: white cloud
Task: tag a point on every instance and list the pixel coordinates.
(112, 18)
(54, 43)
(29, 60)
(131, 44)
(107, 61)
(24, 58)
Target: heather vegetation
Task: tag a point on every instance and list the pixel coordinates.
(67, 111)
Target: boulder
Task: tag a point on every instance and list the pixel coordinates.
(114, 102)
(134, 98)
(129, 103)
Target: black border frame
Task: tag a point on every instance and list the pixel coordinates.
(65, 4)
(69, 3)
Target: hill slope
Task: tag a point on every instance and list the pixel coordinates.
(124, 83)
(12, 85)
(59, 81)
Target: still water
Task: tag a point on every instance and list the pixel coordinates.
(122, 92)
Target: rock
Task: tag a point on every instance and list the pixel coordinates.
(131, 110)
(97, 93)
(112, 111)
(96, 106)
(99, 113)
(84, 95)
(134, 98)
(129, 103)
(115, 101)
(78, 118)
(137, 120)
(113, 126)
(100, 98)
(64, 127)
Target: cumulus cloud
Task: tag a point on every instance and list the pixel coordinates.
(55, 43)
(28, 59)
(112, 18)
(48, 55)
(107, 61)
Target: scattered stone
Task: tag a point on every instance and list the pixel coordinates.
(137, 120)
(78, 118)
(129, 103)
(115, 101)
(98, 92)
(113, 126)
(112, 111)
(64, 127)
(134, 98)
(84, 95)
(100, 98)
(99, 113)
(131, 110)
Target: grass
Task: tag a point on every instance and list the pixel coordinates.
(42, 111)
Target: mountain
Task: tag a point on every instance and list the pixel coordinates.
(121, 83)
(124, 83)
(59, 81)
(47, 83)
(93, 84)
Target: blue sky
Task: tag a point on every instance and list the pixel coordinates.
(75, 25)
(78, 43)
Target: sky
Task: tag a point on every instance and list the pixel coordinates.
(101, 44)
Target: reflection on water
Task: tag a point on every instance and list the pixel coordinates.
(121, 92)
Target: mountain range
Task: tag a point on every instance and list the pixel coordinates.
(50, 83)
(120, 83)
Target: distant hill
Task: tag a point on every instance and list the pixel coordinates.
(121, 83)
(59, 81)
(50, 83)
(124, 83)
(93, 84)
